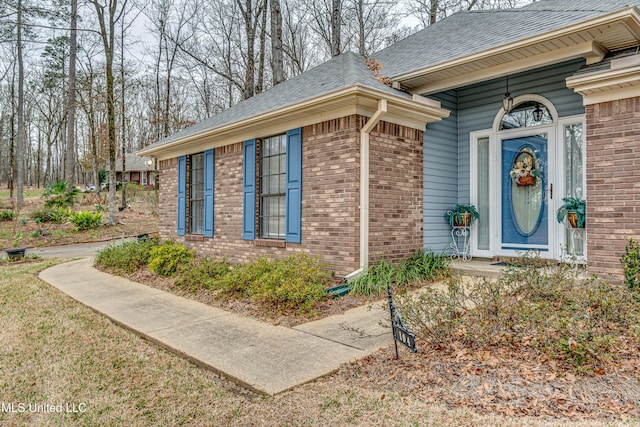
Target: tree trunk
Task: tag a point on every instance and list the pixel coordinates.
(277, 62)
(70, 161)
(433, 12)
(123, 118)
(20, 140)
(263, 41)
(336, 22)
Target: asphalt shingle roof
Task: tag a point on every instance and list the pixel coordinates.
(466, 33)
(340, 72)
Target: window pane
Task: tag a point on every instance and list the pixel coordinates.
(483, 194)
(574, 176)
(196, 194)
(526, 114)
(273, 187)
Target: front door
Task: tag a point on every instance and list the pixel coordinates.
(524, 212)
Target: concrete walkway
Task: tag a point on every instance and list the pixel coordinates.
(265, 358)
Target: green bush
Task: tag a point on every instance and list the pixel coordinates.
(85, 220)
(631, 265)
(57, 215)
(166, 258)
(202, 273)
(581, 322)
(293, 284)
(134, 190)
(127, 256)
(60, 193)
(420, 266)
(7, 215)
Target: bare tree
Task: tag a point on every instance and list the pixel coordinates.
(21, 136)
(70, 159)
(108, 15)
(277, 62)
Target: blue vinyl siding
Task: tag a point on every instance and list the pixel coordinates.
(294, 187)
(440, 173)
(209, 180)
(249, 191)
(473, 108)
(182, 196)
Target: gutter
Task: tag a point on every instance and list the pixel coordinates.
(364, 188)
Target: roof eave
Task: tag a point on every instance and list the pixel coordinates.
(629, 13)
(417, 109)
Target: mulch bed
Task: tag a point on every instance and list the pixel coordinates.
(506, 382)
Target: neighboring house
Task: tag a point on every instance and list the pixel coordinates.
(140, 170)
(336, 163)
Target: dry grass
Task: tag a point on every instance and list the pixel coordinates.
(55, 351)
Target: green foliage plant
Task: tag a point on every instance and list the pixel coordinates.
(631, 265)
(420, 266)
(202, 273)
(60, 193)
(57, 215)
(295, 284)
(454, 216)
(581, 323)
(166, 258)
(126, 257)
(85, 220)
(7, 215)
(573, 204)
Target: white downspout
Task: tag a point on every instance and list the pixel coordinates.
(364, 187)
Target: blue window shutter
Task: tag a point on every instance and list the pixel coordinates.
(182, 195)
(294, 186)
(209, 180)
(249, 191)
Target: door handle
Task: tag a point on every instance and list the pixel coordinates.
(551, 191)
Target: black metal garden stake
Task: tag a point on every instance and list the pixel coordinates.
(401, 332)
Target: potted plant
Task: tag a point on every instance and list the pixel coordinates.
(16, 252)
(575, 210)
(462, 215)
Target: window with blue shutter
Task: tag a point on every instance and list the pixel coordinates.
(294, 186)
(249, 191)
(209, 180)
(182, 195)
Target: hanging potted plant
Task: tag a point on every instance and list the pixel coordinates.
(575, 210)
(462, 215)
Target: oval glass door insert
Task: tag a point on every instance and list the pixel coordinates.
(526, 191)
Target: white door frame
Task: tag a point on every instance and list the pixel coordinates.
(555, 177)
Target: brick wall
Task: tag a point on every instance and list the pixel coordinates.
(330, 200)
(395, 192)
(613, 182)
(330, 197)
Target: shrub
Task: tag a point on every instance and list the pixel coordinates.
(202, 273)
(294, 284)
(166, 258)
(57, 215)
(60, 193)
(134, 190)
(85, 220)
(420, 266)
(583, 323)
(7, 215)
(127, 256)
(631, 265)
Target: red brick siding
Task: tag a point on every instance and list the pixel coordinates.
(613, 182)
(395, 192)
